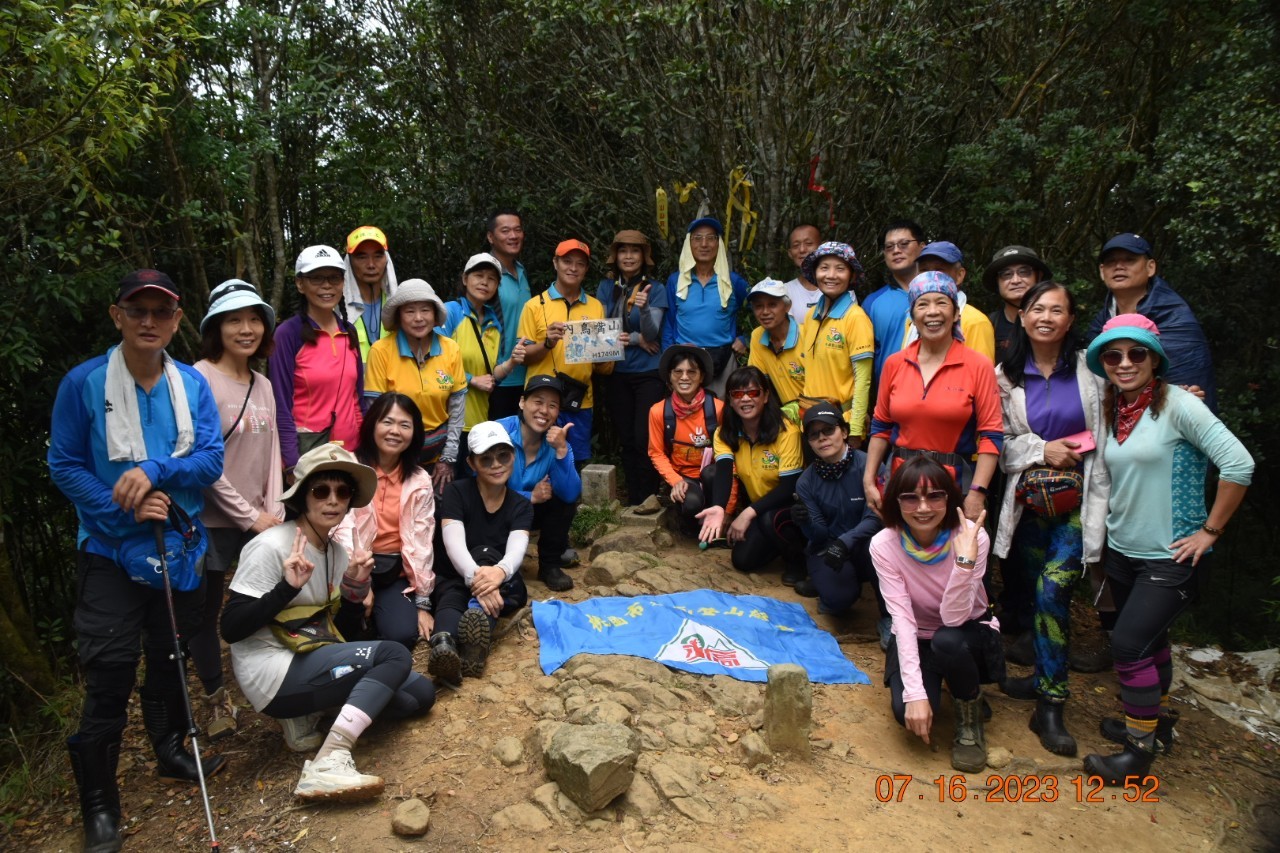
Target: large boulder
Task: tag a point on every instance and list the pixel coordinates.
(592, 764)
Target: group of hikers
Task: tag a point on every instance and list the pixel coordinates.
(378, 485)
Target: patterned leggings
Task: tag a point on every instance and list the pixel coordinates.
(1052, 549)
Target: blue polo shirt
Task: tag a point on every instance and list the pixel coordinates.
(699, 319)
(888, 309)
(513, 293)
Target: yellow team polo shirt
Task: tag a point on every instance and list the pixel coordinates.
(785, 368)
(833, 337)
(760, 466)
(979, 334)
(550, 307)
(392, 367)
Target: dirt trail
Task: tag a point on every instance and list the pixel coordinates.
(869, 782)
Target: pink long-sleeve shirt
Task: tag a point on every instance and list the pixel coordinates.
(923, 598)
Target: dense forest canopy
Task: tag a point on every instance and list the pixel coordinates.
(216, 139)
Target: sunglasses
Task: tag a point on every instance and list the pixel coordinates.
(501, 459)
(820, 431)
(1114, 357)
(340, 490)
(910, 500)
(748, 393)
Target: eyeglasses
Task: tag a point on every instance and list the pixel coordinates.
(686, 371)
(137, 313)
(317, 280)
(901, 245)
(749, 393)
(704, 239)
(1115, 357)
(501, 459)
(820, 431)
(1010, 273)
(321, 491)
(910, 500)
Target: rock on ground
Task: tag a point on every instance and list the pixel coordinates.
(411, 818)
(523, 817)
(592, 764)
(509, 751)
(788, 709)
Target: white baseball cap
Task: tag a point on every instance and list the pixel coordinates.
(769, 287)
(317, 258)
(486, 435)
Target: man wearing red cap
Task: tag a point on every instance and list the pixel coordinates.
(371, 277)
(133, 432)
(542, 328)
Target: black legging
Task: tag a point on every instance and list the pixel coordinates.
(770, 535)
(630, 396)
(375, 676)
(953, 654)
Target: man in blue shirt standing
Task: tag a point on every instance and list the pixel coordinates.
(132, 433)
(703, 297)
(901, 241)
(545, 474)
(504, 229)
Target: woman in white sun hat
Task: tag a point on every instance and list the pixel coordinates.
(293, 595)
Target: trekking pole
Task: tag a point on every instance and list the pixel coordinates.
(192, 731)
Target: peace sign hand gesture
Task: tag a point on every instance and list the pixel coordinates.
(297, 568)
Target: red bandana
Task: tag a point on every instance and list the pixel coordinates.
(1128, 414)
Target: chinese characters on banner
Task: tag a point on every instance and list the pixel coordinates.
(591, 341)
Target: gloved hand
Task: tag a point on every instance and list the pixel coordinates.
(800, 512)
(835, 555)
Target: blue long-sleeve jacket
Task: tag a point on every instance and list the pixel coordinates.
(78, 462)
(837, 508)
(565, 482)
(1190, 362)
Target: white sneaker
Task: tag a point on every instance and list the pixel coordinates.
(335, 777)
(300, 733)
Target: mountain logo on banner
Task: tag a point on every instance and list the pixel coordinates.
(697, 643)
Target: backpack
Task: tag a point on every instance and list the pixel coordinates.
(669, 421)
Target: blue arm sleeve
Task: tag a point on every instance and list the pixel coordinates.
(565, 482)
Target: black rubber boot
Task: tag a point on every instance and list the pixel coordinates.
(1114, 730)
(94, 764)
(555, 579)
(1133, 763)
(1022, 650)
(1046, 721)
(445, 664)
(1020, 688)
(166, 722)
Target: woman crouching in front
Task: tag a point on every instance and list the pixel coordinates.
(930, 561)
(292, 595)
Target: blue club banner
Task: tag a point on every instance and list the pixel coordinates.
(701, 631)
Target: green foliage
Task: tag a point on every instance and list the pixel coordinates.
(588, 518)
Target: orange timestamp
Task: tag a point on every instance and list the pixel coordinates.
(1029, 788)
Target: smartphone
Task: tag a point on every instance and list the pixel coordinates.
(1084, 439)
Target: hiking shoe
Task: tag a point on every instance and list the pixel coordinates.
(473, 642)
(969, 748)
(224, 710)
(1114, 729)
(569, 558)
(805, 588)
(792, 575)
(301, 734)
(335, 777)
(444, 663)
(1098, 660)
(555, 578)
